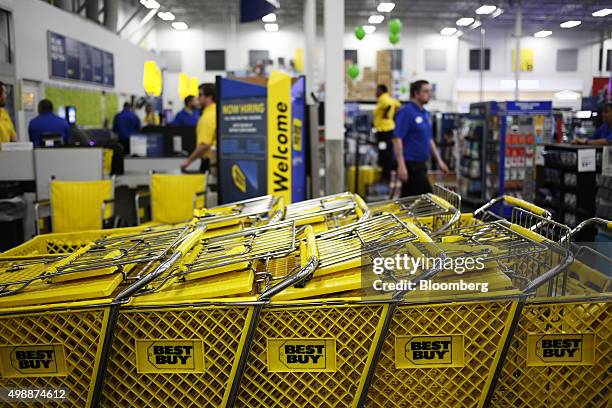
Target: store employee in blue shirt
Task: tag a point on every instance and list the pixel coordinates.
(412, 140)
(189, 115)
(603, 134)
(47, 123)
(125, 124)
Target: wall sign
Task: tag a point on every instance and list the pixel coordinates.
(587, 160)
(261, 147)
(78, 61)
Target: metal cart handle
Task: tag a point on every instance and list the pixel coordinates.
(599, 221)
(516, 202)
(362, 210)
(180, 251)
(278, 211)
(305, 271)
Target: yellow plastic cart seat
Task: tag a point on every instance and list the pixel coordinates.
(172, 196)
(77, 205)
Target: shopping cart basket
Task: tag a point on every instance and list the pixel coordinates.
(209, 305)
(433, 213)
(328, 212)
(441, 348)
(55, 316)
(561, 351)
(60, 243)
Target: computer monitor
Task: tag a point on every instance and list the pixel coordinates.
(51, 140)
(71, 115)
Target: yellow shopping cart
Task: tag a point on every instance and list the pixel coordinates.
(314, 343)
(561, 351)
(206, 307)
(443, 341)
(56, 314)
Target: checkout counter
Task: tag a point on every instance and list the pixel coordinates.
(28, 172)
(31, 170)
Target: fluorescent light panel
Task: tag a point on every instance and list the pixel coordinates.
(369, 29)
(567, 95)
(376, 19)
(448, 31)
(150, 4)
(465, 21)
(570, 24)
(385, 7)
(180, 25)
(269, 18)
(542, 34)
(271, 27)
(166, 15)
(602, 12)
(485, 9)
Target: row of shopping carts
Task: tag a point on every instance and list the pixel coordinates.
(259, 303)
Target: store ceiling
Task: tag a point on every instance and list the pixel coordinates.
(537, 14)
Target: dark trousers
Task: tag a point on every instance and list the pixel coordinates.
(385, 156)
(204, 165)
(417, 183)
(125, 143)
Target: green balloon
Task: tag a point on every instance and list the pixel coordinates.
(395, 26)
(359, 32)
(353, 71)
(394, 38)
(404, 89)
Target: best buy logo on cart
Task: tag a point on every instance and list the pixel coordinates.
(33, 360)
(429, 351)
(302, 355)
(170, 356)
(560, 349)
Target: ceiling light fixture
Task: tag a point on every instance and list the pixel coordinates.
(602, 12)
(385, 7)
(542, 34)
(567, 95)
(180, 25)
(476, 24)
(269, 18)
(150, 4)
(166, 15)
(485, 9)
(376, 19)
(448, 31)
(272, 28)
(369, 29)
(497, 13)
(570, 24)
(465, 21)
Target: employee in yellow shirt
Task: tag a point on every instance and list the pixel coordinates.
(384, 124)
(7, 129)
(151, 117)
(206, 130)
